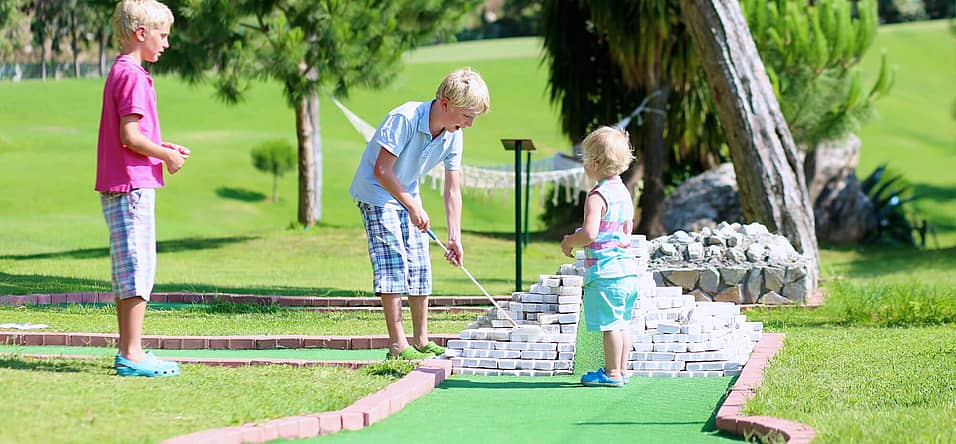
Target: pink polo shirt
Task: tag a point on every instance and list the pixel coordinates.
(129, 90)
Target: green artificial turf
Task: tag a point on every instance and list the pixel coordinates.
(476, 409)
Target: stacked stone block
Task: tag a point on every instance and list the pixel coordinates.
(673, 335)
(743, 264)
(491, 346)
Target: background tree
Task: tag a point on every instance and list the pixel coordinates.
(811, 53)
(635, 50)
(47, 18)
(15, 33)
(309, 47)
(770, 177)
(275, 157)
(99, 15)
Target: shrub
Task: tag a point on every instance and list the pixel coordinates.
(275, 157)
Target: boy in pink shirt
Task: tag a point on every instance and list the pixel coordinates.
(129, 168)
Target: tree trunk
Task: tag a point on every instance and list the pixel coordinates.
(75, 44)
(43, 61)
(275, 187)
(304, 133)
(316, 154)
(652, 151)
(770, 175)
(102, 55)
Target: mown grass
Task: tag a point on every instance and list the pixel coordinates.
(217, 234)
(915, 133)
(875, 364)
(865, 384)
(215, 321)
(61, 400)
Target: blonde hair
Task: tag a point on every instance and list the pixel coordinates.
(129, 15)
(465, 88)
(608, 150)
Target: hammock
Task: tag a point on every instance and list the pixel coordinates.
(560, 170)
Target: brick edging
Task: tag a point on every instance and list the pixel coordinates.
(363, 413)
(93, 297)
(162, 342)
(730, 417)
(220, 362)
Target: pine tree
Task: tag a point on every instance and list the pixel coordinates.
(309, 47)
(811, 53)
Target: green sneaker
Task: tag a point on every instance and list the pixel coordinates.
(432, 348)
(410, 354)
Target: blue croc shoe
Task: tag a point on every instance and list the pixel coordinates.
(627, 376)
(150, 366)
(600, 379)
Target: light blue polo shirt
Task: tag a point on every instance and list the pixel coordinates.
(405, 133)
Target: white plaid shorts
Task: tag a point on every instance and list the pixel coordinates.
(398, 250)
(131, 218)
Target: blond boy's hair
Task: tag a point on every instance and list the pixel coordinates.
(608, 150)
(129, 15)
(465, 88)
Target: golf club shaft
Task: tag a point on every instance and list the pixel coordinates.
(431, 234)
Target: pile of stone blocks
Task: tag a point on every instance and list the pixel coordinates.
(742, 264)
(491, 346)
(673, 335)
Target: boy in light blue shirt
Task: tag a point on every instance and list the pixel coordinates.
(412, 140)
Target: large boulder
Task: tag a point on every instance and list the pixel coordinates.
(703, 201)
(843, 214)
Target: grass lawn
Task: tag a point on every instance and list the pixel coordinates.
(71, 401)
(225, 321)
(865, 384)
(218, 232)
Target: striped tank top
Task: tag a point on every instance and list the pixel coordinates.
(607, 256)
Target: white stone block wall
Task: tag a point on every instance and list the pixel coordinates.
(673, 334)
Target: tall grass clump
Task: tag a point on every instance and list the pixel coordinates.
(891, 304)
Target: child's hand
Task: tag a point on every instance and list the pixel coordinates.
(566, 247)
(455, 253)
(183, 151)
(174, 161)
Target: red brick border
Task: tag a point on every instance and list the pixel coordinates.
(159, 342)
(221, 362)
(730, 417)
(363, 413)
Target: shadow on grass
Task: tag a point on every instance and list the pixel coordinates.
(509, 235)
(934, 193)
(11, 284)
(875, 261)
(461, 383)
(170, 246)
(607, 423)
(711, 424)
(44, 365)
(240, 194)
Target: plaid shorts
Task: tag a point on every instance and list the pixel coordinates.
(398, 250)
(131, 218)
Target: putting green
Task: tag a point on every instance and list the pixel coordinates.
(314, 354)
(483, 409)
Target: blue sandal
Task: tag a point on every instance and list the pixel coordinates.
(600, 379)
(150, 366)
